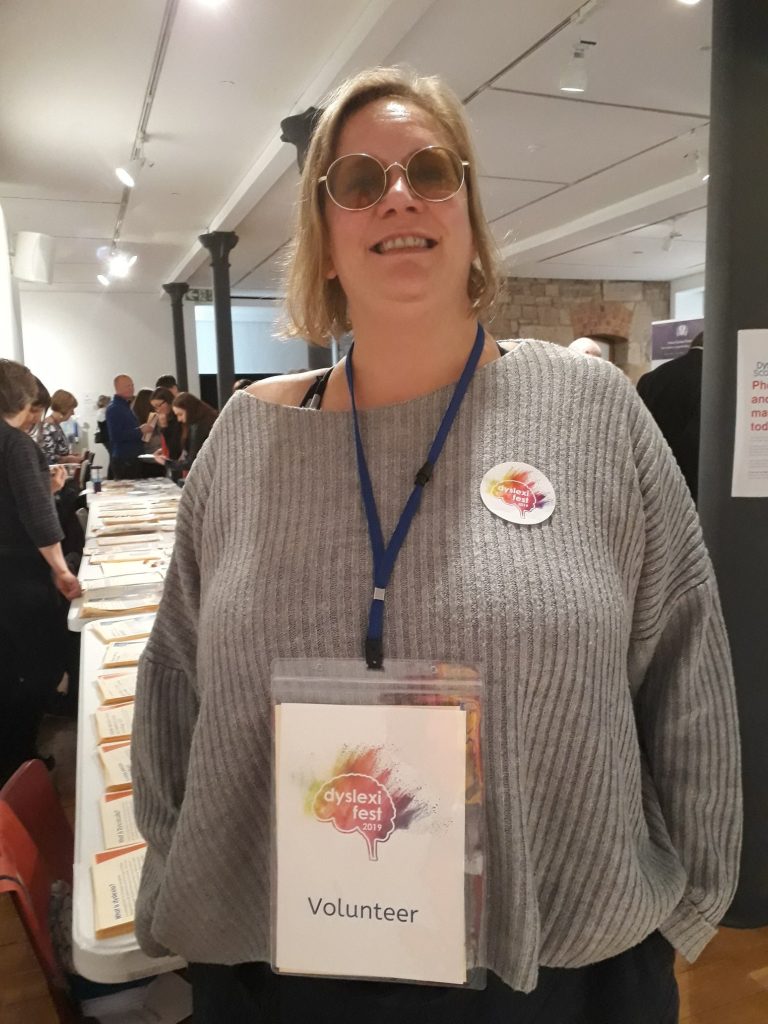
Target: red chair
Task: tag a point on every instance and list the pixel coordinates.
(31, 796)
(36, 849)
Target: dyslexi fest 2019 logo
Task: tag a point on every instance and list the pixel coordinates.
(362, 796)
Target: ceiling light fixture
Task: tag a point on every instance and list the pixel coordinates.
(120, 264)
(666, 245)
(689, 3)
(574, 74)
(129, 174)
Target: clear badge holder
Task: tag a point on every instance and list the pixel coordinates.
(378, 828)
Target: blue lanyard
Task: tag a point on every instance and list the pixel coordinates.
(385, 556)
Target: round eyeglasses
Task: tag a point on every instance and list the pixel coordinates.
(358, 181)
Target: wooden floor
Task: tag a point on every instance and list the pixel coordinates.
(727, 985)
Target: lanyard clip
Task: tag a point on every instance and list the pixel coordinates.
(374, 652)
(424, 475)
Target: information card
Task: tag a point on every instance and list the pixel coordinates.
(370, 841)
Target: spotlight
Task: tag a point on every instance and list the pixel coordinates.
(103, 279)
(666, 245)
(574, 75)
(120, 264)
(702, 165)
(130, 173)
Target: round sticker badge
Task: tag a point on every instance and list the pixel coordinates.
(518, 493)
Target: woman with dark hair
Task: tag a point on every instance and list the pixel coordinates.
(172, 433)
(33, 572)
(151, 435)
(197, 417)
(142, 408)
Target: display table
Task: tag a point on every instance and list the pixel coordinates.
(119, 958)
(131, 488)
(94, 577)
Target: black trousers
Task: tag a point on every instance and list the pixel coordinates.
(33, 657)
(125, 469)
(636, 987)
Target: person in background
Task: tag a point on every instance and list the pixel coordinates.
(126, 434)
(586, 347)
(142, 409)
(145, 414)
(672, 393)
(102, 430)
(612, 790)
(198, 417)
(37, 410)
(34, 574)
(171, 430)
(54, 441)
(167, 380)
(240, 385)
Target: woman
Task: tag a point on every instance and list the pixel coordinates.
(54, 441)
(171, 430)
(613, 811)
(197, 418)
(33, 571)
(150, 430)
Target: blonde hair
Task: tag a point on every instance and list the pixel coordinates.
(63, 402)
(316, 306)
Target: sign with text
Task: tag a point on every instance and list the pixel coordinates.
(370, 841)
(750, 454)
(672, 338)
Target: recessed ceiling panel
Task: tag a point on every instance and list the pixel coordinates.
(542, 138)
(653, 54)
(502, 194)
(54, 217)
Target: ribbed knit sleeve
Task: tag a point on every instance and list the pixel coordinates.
(167, 704)
(680, 670)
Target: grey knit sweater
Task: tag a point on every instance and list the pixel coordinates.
(613, 790)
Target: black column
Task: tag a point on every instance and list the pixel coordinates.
(736, 529)
(177, 291)
(319, 357)
(219, 244)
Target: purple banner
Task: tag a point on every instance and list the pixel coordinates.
(672, 338)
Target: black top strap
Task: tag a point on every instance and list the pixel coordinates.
(314, 396)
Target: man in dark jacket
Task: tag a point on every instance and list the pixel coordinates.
(672, 393)
(125, 435)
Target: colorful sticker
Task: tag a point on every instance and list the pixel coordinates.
(518, 493)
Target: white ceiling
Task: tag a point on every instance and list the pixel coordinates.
(581, 186)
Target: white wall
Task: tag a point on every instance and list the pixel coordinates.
(80, 340)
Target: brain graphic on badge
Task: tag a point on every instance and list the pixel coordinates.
(362, 793)
(357, 803)
(518, 493)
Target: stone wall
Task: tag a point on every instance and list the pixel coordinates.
(561, 310)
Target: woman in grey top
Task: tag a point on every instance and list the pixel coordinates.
(612, 789)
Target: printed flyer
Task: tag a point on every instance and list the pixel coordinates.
(370, 841)
(750, 455)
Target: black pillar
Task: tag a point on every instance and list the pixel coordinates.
(177, 291)
(219, 244)
(736, 529)
(319, 357)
